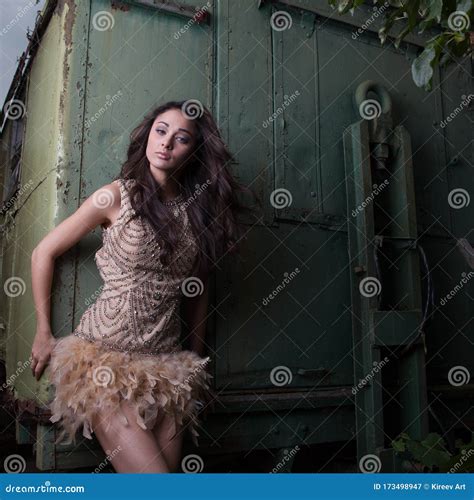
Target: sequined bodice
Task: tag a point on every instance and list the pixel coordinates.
(138, 307)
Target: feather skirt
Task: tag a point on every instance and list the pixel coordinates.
(91, 380)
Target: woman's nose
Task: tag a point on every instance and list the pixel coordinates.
(166, 144)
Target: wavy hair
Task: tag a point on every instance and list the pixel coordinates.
(212, 213)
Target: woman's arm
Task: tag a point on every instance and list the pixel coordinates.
(195, 312)
(84, 220)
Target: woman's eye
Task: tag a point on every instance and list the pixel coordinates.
(183, 140)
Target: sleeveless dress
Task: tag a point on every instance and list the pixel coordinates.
(127, 343)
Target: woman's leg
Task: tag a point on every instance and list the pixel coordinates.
(132, 448)
(164, 430)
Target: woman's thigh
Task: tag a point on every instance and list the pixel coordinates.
(131, 448)
(169, 443)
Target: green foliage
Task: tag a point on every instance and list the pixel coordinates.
(449, 20)
(432, 453)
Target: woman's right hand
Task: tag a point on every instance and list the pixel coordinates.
(43, 345)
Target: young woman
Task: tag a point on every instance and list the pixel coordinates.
(167, 220)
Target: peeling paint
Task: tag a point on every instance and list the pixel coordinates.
(120, 6)
(69, 20)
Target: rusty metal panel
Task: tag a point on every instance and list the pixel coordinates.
(44, 172)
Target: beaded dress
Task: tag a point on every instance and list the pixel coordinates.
(127, 343)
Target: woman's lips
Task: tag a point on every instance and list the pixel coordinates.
(163, 156)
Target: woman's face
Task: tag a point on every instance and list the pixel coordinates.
(171, 141)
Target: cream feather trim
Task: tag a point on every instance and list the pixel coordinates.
(91, 379)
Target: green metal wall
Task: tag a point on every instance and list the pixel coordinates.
(41, 205)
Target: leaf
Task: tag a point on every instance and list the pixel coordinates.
(422, 67)
(435, 8)
(459, 37)
(411, 11)
(384, 31)
(465, 5)
(430, 452)
(431, 13)
(424, 25)
(399, 446)
(434, 440)
(343, 6)
(407, 16)
(426, 454)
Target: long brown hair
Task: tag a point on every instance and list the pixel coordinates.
(212, 213)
